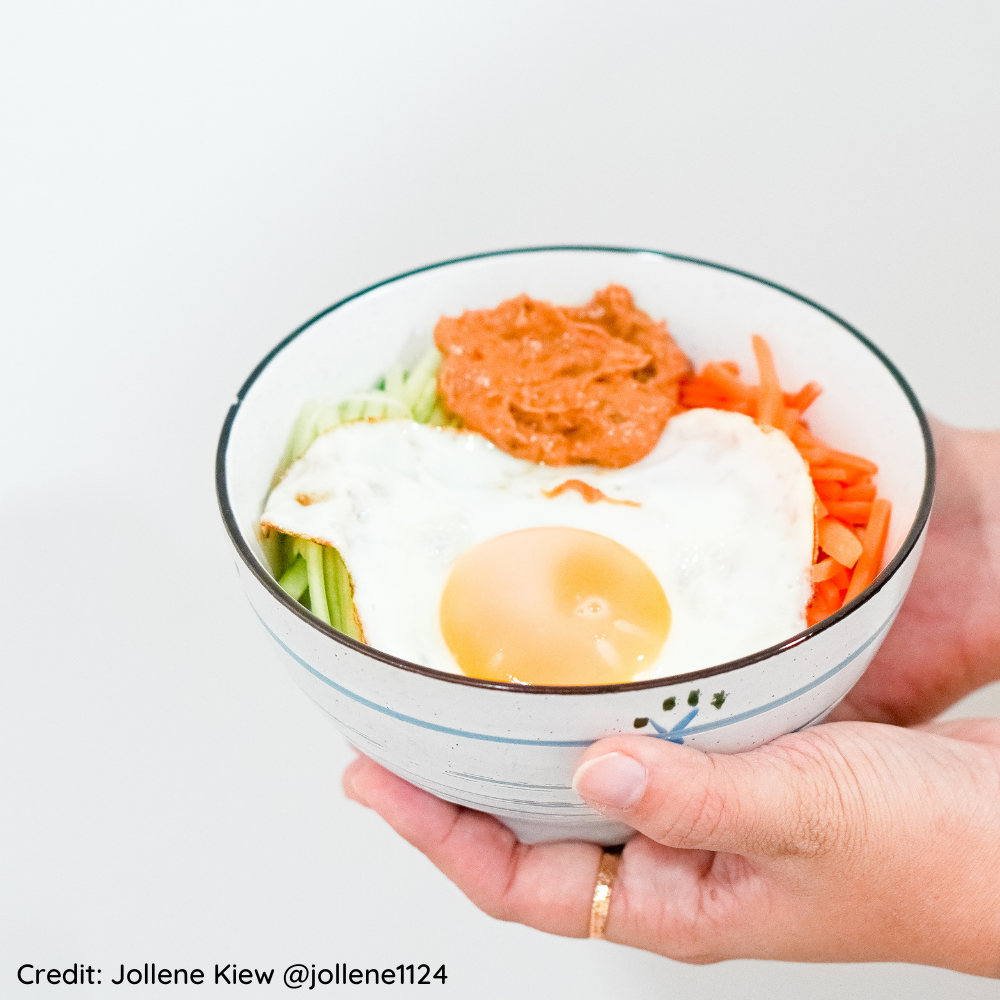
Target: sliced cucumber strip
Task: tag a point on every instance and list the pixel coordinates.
(425, 371)
(345, 595)
(317, 587)
(392, 385)
(331, 579)
(295, 579)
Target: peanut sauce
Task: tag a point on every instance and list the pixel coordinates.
(589, 493)
(563, 385)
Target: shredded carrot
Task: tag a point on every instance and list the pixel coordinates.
(815, 614)
(819, 609)
(771, 402)
(825, 569)
(827, 490)
(855, 462)
(815, 455)
(701, 397)
(870, 560)
(862, 491)
(850, 511)
(830, 475)
(804, 438)
(790, 421)
(825, 601)
(806, 396)
(846, 507)
(722, 379)
(837, 540)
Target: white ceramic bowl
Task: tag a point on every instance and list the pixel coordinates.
(511, 750)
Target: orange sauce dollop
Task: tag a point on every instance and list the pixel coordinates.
(563, 384)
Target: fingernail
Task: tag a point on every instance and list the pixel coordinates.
(613, 780)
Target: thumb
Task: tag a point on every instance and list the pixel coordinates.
(775, 800)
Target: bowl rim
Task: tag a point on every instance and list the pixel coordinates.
(271, 584)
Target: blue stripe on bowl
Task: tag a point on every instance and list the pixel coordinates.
(689, 731)
(750, 713)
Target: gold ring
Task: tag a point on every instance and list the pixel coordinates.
(602, 894)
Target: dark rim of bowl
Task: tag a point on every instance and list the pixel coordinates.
(269, 582)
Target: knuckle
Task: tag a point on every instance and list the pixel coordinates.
(695, 820)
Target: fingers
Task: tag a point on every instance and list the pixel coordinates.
(546, 886)
(748, 858)
(692, 906)
(982, 731)
(658, 900)
(771, 801)
(946, 640)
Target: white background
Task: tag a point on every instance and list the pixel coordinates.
(181, 185)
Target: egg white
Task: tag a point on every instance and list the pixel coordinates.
(725, 523)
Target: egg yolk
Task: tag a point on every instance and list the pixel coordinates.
(553, 606)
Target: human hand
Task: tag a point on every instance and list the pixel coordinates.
(846, 842)
(946, 640)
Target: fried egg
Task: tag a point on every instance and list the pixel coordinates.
(468, 560)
